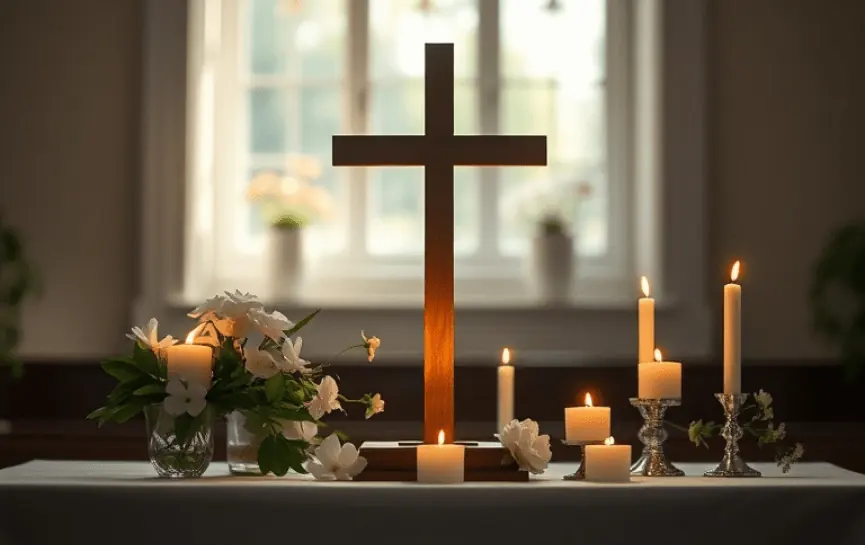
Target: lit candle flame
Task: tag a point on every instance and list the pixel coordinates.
(609, 441)
(441, 437)
(644, 283)
(658, 357)
(190, 339)
(734, 273)
(506, 356)
(589, 400)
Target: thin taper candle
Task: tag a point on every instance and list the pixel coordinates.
(733, 334)
(506, 391)
(646, 324)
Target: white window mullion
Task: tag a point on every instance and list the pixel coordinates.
(489, 98)
(356, 116)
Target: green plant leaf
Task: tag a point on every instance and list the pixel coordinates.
(183, 428)
(98, 413)
(127, 411)
(274, 455)
(146, 360)
(299, 325)
(150, 389)
(123, 369)
(274, 388)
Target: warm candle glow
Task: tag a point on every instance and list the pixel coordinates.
(609, 441)
(644, 283)
(191, 337)
(734, 273)
(442, 437)
(506, 356)
(589, 400)
(658, 357)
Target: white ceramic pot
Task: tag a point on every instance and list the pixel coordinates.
(285, 263)
(552, 264)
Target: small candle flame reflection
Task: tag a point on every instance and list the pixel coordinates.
(644, 283)
(658, 357)
(589, 400)
(609, 441)
(441, 437)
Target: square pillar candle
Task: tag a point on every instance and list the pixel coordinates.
(441, 463)
(608, 463)
(191, 362)
(660, 379)
(587, 424)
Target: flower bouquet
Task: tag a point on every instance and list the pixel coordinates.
(183, 388)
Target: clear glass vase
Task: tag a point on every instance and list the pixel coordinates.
(243, 443)
(180, 447)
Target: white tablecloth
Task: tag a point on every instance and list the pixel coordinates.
(122, 503)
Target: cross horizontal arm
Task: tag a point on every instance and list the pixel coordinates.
(499, 150)
(378, 150)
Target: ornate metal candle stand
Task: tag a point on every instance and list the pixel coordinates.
(580, 473)
(732, 465)
(653, 462)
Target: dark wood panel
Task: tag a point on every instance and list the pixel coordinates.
(803, 393)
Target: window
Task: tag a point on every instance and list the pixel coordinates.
(279, 77)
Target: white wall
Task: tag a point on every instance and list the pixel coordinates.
(786, 107)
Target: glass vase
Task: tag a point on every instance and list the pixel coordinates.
(243, 443)
(180, 447)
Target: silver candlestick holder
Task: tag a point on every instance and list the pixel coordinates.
(732, 465)
(653, 462)
(580, 473)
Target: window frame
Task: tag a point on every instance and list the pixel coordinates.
(355, 273)
(666, 142)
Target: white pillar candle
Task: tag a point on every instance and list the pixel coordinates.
(733, 334)
(646, 315)
(586, 424)
(441, 464)
(506, 391)
(608, 463)
(191, 362)
(660, 379)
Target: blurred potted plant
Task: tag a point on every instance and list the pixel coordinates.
(837, 296)
(17, 280)
(552, 257)
(289, 204)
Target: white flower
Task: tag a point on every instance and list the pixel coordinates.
(291, 361)
(371, 344)
(530, 450)
(325, 399)
(376, 405)
(149, 336)
(270, 324)
(184, 399)
(232, 312)
(763, 399)
(299, 431)
(237, 304)
(209, 309)
(334, 463)
(260, 363)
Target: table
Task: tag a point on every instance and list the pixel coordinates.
(114, 503)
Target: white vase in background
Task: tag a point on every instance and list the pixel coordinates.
(552, 265)
(285, 262)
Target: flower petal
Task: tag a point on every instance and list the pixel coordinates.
(175, 388)
(175, 405)
(347, 455)
(357, 467)
(328, 451)
(318, 471)
(195, 405)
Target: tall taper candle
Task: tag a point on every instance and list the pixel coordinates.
(733, 334)
(506, 391)
(646, 324)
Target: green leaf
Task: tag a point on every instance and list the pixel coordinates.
(274, 388)
(123, 369)
(98, 413)
(299, 325)
(127, 411)
(183, 428)
(146, 360)
(150, 389)
(274, 455)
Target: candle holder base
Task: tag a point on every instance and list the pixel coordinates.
(653, 462)
(580, 473)
(732, 465)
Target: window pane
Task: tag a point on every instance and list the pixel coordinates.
(303, 42)
(268, 120)
(399, 30)
(396, 194)
(553, 71)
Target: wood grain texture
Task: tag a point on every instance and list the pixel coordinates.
(438, 150)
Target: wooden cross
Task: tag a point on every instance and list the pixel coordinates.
(439, 150)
